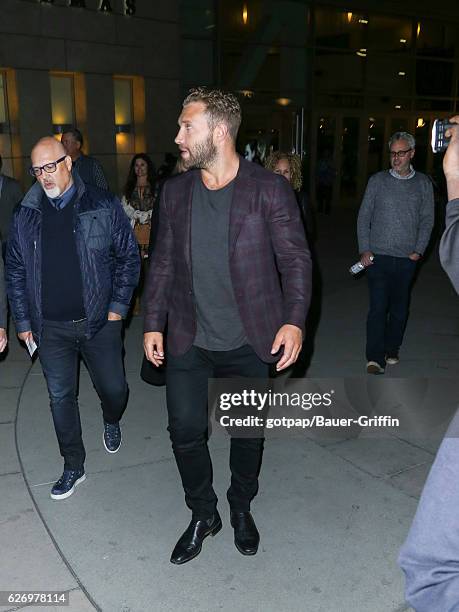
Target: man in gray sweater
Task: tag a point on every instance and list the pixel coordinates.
(430, 555)
(394, 226)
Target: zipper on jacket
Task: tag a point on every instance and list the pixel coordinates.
(37, 289)
(78, 245)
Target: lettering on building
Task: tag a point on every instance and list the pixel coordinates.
(105, 6)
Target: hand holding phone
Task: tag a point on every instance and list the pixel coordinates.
(440, 141)
(451, 159)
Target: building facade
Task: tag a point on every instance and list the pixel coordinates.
(109, 67)
(315, 77)
(335, 77)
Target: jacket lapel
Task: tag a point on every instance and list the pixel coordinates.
(243, 196)
(183, 214)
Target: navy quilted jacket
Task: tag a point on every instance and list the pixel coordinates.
(107, 250)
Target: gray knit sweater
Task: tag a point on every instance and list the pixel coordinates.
(396, 216)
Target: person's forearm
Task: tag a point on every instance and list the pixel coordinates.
(424, 231)
(449, 243)
(453, 188)
(363, 225)
(363, 231)
(365, 215)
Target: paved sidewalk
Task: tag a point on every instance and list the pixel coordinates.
(332, 514)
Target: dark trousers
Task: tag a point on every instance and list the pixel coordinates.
(389, 283)
(61, 345)
(187, 380)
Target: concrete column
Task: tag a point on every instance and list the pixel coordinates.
(100, 134)
(34, 116)
(163, 107)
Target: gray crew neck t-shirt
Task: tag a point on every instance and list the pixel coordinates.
(219, 326)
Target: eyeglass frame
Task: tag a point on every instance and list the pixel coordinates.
(400, 154)
(41, 168)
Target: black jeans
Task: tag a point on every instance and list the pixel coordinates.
(61, 345)
(389, 283)
(187, 380)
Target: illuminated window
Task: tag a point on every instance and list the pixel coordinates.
(3, 109)
(245, 14)
(123, 105)
(62, 102)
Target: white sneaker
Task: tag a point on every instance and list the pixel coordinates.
(392, 360)
(373, 367)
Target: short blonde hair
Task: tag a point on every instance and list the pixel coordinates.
(294, 162)
(220, 106)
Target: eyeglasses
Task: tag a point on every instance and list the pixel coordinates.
(50, 168)
(400, 153)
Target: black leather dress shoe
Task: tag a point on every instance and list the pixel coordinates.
(246, 536)
(189, 545)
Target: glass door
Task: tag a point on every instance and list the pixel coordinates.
(349, 159)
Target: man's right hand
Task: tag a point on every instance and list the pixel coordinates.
(27, 335)
(153, 347)
(365, 258)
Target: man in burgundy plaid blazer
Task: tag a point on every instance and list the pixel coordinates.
(231, 277)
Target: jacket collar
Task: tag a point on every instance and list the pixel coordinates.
(245, 170)
(32, 198)
(243, 195)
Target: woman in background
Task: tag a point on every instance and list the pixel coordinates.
(289, 166)
(139, 198)
(138, 202)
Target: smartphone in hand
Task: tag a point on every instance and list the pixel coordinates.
(439, 141)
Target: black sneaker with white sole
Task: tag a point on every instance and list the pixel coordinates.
(66, 484)
(373, 367)
(112, 437)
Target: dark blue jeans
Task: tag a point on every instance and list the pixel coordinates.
(186, 385)
(389, 283)
(61, 345)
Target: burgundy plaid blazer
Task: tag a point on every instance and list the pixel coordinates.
(270, 263)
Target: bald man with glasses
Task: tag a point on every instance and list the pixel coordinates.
(393, 227)
(72, 264)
